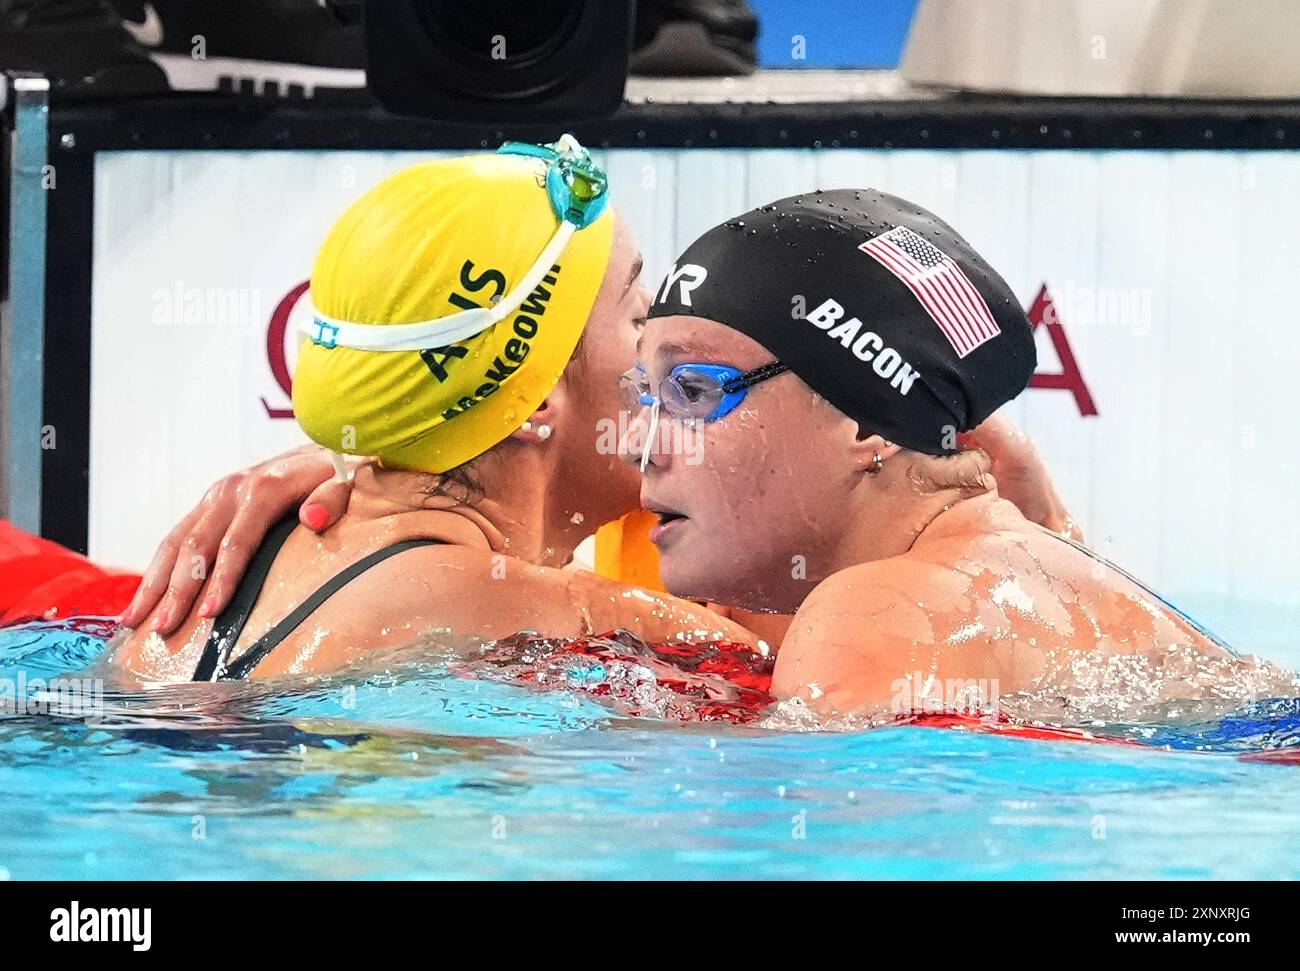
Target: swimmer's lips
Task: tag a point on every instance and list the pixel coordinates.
(669, 521)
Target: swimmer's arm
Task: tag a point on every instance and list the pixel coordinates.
(855, 641)
(472, 593)
(1022, 475)
(225, 529)
(767, 627)
(653, 616)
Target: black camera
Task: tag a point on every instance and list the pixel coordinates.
(499, 60)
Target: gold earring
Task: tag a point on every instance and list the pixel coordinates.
(877, 463)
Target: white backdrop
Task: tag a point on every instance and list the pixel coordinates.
(1173, 273)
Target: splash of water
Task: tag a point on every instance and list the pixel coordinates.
(717, 681)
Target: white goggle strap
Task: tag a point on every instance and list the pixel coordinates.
(341, 472)
(652, 433)
(331, 332)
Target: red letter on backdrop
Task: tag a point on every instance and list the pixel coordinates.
(1043, 311)
(275, 334)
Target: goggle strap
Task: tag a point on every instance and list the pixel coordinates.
(341, 473)
(652, 432)
(424, 334)
(754, 377)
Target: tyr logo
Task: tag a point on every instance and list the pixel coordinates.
(688, 277)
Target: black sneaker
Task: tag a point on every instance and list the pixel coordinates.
(694, 38)
(268, 47)
(80, 45)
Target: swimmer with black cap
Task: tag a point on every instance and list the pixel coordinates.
(833, 350)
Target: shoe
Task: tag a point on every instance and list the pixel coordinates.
(694, 38)
(267, 47)
(80, 45)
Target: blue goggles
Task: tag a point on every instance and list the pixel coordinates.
(695, 392)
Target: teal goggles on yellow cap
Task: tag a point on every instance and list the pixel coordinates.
(577, 186)
(578, 191)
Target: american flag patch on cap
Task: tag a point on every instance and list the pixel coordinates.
(938, 283)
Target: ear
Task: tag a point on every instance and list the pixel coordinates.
(543, 422)
(868, 446)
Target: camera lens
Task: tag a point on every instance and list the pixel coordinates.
(498, 58)
(508, 34)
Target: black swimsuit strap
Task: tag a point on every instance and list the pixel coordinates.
(243, 666)
(230, 624)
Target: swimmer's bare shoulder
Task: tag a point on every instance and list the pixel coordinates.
(1015, 608)
(856, 635)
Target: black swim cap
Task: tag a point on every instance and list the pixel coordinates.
(877, 304)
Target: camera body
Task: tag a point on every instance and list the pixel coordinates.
(499, 60)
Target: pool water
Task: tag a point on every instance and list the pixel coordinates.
(529, 765)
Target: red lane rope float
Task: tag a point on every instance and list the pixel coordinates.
(1281, 756)
(1001, 725)
(41, 580)
(722, 681)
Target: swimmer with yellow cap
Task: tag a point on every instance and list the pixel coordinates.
(437, 334)
(471, 316)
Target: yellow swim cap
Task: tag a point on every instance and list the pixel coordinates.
(436, 240)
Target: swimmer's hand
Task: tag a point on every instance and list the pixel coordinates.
(1022, 476)
(225, 529)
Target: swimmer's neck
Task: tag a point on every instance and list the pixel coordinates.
(896, 522)
(516, 521)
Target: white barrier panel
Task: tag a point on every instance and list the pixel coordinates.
(1172, 281)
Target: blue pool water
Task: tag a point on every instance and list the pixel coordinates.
(422, 772)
